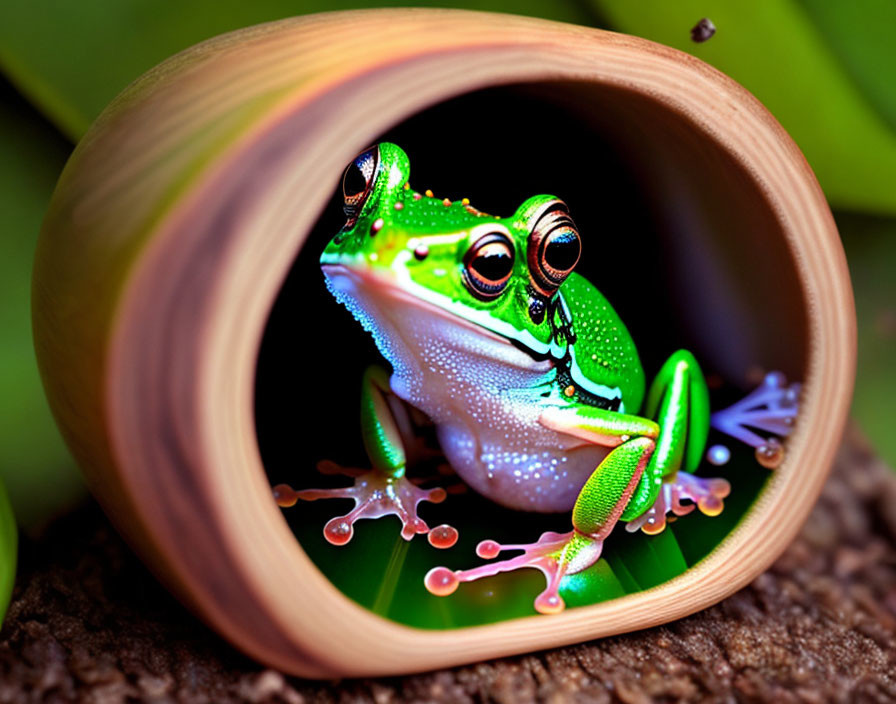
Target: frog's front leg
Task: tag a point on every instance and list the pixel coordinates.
(385, 489)
(597, 509)
(679, 402)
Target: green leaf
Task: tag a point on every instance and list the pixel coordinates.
(804, 75)
(870, 244)
(34, 463)
(8, 551)
(861, 36)
(595, 584)
(649, 560)
(72, 58)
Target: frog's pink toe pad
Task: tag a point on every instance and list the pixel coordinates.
(706, 494)
(554, 554)
(441, 581)
(443, 536)
(376, 495)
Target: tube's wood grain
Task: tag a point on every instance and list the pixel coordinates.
(176, 221)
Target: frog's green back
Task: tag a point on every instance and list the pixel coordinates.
(604, 350)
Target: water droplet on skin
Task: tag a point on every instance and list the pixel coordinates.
(770, 454)
(443, 536)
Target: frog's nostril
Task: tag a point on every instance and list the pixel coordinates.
(343, 234)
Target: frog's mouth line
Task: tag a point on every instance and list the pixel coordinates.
(389, 287)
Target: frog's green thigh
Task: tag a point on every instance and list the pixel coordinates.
(679, 402)
(379, 428)
(609, 488)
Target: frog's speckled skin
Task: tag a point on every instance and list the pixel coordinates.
(532, 380)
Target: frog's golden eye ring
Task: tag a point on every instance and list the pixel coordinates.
(488, 265)
(554, 248)
(357, 181)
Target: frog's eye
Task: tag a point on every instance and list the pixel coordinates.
(357, 181)
(554, 248)
(488, 264)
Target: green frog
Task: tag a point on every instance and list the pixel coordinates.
(531, 379)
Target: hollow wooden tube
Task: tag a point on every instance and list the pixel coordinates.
(178, 217)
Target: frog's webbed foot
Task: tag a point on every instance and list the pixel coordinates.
(375, 494)
(555, 554)
(771, 408)
(597, 508)
(706, 494)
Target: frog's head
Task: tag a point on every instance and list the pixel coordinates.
(499, 275)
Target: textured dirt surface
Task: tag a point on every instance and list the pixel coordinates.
(88, 623)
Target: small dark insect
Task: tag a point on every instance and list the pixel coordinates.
(703, 30)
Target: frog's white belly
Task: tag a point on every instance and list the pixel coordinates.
(483, 395)
(487, 421)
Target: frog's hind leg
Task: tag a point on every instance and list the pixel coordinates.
(596, 511)
(383, 490)
(679, 402)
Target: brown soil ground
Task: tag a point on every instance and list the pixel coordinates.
(89, 623)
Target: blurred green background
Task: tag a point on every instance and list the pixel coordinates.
(826, 70)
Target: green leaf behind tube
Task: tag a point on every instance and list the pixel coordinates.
(34, 463)
(860, 33)
(8, 551)
(870, 244)
(72, 58)
(803, 75)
